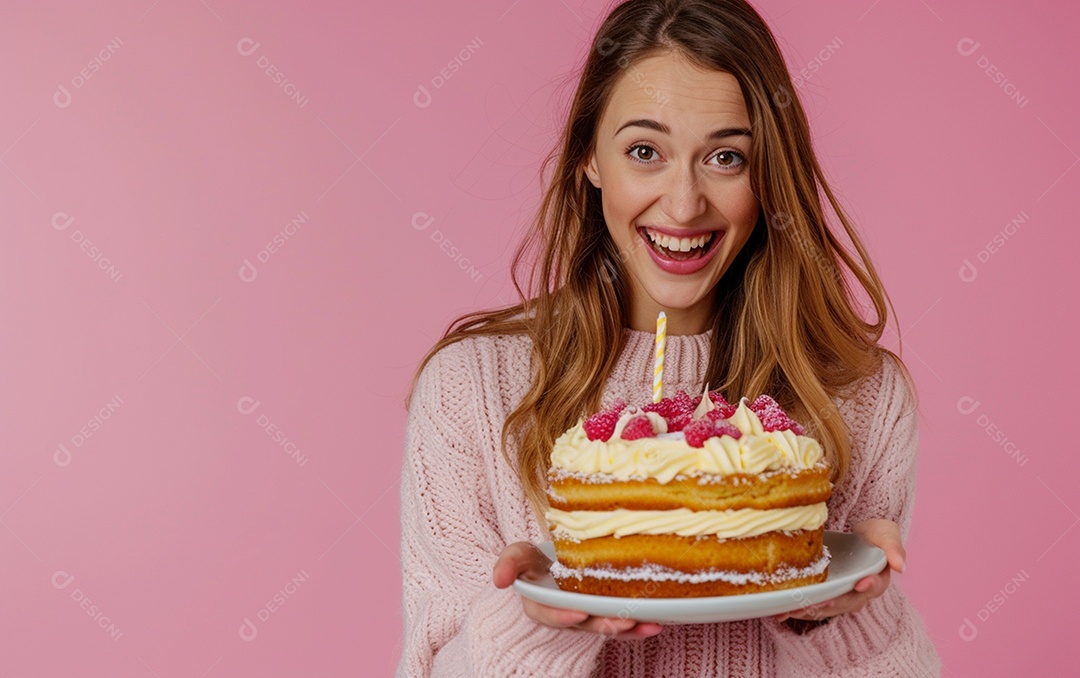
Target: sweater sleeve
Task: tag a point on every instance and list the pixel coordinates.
(887, 637)
(456, 622)
(887, 475)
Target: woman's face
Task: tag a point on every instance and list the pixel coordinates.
(670, 161)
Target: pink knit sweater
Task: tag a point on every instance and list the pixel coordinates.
(461, 503)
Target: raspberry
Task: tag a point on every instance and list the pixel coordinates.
(638, 427)
(697, 432)
(669, 408)
(724, 409)
(726, 428)
(664, 408)
(718, 398)
(678, 422)
(724, 412)
(601, 425)
(682, 403)
(773, 417)
(762, 403)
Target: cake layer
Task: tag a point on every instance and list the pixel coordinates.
(764, 554)
(702, 492)
(655, 583)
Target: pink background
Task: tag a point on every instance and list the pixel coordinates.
(175, 158)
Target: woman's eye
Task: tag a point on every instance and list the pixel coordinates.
(642, 152)
(729, 159)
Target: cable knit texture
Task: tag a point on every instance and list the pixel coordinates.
(461, 503)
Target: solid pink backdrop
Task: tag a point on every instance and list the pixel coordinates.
(233, 230)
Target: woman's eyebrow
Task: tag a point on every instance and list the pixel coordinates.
(661, 127)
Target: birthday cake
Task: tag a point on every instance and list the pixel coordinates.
(688, 497)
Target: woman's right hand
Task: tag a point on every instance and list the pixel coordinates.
(522, 559)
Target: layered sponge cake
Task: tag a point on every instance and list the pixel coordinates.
(688, 497)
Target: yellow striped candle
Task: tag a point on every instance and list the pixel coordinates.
(658, 369)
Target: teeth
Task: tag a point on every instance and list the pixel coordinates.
(678, 244)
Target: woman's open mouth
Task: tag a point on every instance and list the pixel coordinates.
(681, 255)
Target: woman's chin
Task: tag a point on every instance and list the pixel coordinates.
(679, 303)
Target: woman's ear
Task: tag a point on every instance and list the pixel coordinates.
(591, 171)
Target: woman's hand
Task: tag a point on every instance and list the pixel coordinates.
(885, 534)
(522, 559)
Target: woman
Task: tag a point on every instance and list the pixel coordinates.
(685, 182)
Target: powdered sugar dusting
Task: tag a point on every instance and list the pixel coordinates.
(560, 474)
(702, 477)
(651, 572)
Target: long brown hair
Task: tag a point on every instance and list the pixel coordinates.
(785, 317)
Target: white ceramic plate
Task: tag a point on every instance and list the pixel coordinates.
(852, 559)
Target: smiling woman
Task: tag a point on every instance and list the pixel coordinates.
(685, 182)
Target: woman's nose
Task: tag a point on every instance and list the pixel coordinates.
(683, 199)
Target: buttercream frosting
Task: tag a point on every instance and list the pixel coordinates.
(667, 455)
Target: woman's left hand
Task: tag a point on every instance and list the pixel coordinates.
(885, 534)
